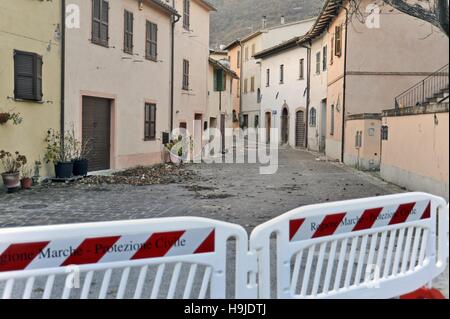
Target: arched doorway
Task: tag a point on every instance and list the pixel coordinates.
(268, 126)
(285, 126)
(300, 129)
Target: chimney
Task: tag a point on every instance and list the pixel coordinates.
(283, 20)
(264, 22)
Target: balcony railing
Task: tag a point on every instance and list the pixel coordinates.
(433, 87)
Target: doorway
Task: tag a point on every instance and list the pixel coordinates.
(96, 130)
(300, 129)
(268, 126)
(285, 126)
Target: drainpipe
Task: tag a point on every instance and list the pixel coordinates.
(308, 90)
(175, 19)
(345, 85)
(63, 69)
(241, 80)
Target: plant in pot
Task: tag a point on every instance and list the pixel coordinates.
(11, 164)
(59, 151)
(26, 173)
(9, 116)
(175, 148)
(81, 163)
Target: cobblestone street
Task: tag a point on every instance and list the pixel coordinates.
(234, 193)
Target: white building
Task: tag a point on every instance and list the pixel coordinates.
(284, 92)
(221, 78)
(252, 77)
(317, 119)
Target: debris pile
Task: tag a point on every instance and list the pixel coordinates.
(143, 175)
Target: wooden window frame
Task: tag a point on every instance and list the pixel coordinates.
(150, 41)
(282, 74)
(187, 15)
(268, 78)
(128, 32)
(35, 75)
(101, 22)
(318, 62)
(301, 75)
(150, 122)
(186, 67)
(338, 41)
(325, 58)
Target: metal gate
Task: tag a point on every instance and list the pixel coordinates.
(380, 247)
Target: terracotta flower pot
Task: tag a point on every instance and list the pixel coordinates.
(4, 117)
(11, 181)
(26, 183)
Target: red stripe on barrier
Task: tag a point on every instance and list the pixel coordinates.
(427, 212)
(208, 246)
(329, 225)
(294, 226)
(19, 256)
(402, 213)
(91, 251)
(158, 245)
(367, 219)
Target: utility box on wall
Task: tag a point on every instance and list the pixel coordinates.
(363, 141)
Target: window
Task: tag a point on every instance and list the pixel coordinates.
(151, 41)
(332, 120)
(318, 61)
(253, 49)
(245, 86)
(150, 122)
(238, 93)
(301, 74)
(332, 51)
(258, 96)
(231, 85)
(235, 117)
(238, 59)
(252, 84)
(186, 14)
(324, 58)
(358, 139)
(256, 121)
(312, 117)
(27, 76)
(100, 22)
(185, 75)
(385, 133)
(268, 77)
(282, 74)
(245, 121)
(128, 32)
(338, 41)
(246, 54)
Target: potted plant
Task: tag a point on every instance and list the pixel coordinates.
(11, 164)
(175, 148)
(81, 163)
(9, 116)
(59, 151)
(26, 182)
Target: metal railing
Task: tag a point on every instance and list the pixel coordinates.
(423, 92)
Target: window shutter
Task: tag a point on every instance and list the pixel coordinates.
(153, 121)
(38, 83)
(24, 78)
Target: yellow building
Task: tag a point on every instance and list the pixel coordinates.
(30, 75)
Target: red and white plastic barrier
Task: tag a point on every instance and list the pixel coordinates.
(380, 247)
